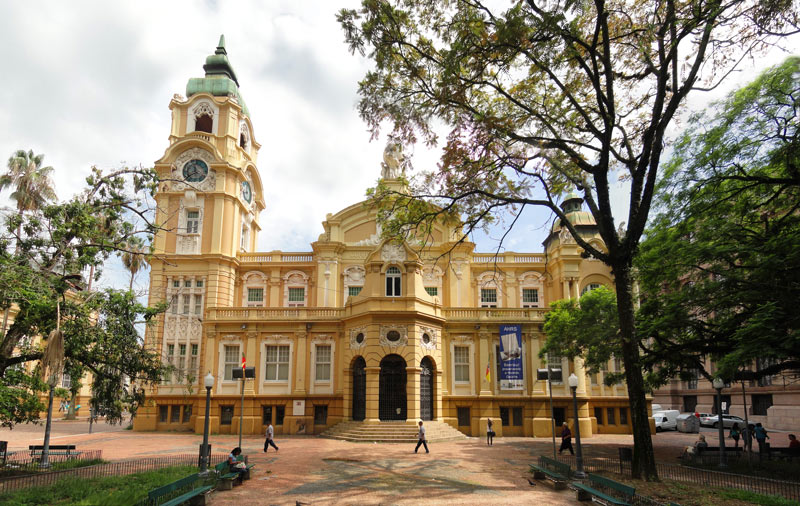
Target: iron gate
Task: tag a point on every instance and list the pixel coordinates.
(359, 389)
(426, 389)
(392, 401)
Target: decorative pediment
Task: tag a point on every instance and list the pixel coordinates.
(393, 252)
(393, 335)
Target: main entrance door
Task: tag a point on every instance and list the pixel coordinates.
(426, 389)
(359, 389)
(392, 400)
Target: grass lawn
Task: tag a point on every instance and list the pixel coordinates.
(111, 490)
(54, 466)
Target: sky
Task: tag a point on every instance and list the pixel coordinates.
(89, 83)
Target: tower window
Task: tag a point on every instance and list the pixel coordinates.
(243, 141)
(203, 123)
(530, 297)
(393, 278)
(488, 297)
(192, 222)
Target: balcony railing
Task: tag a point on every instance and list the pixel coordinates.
(507, 258)
(276, 256)
(509, 315)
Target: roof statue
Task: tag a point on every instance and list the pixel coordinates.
(394, 161)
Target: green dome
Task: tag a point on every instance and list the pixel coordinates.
(571, 205)
(220, 79)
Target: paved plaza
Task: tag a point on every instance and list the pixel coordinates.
(312, 470)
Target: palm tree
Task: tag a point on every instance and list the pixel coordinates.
(32, 184)
(134, 257)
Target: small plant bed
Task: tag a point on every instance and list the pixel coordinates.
(33, 467)
(110, 490)
(691, 494)
(773, 469)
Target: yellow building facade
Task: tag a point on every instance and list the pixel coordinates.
(355, 328)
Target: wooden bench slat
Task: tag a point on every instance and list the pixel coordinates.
(185, 497)
(601, 495)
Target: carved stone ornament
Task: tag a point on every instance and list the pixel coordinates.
(207, 184)
(385, 337)
(354, 332)
(252, 334)
(203, 109)
(188, 244)
(433, 337)
(372, 240)
(354, 276)
(565, 237)
(394, 161)
(463, 338)
(392, 252)
(274, 337)
(231, 337)
(432, 276)
(322, 337)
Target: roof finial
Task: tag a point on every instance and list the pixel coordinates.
(221, 45)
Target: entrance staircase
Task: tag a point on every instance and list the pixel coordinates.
(391, 432)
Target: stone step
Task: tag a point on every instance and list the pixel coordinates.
(391, 432)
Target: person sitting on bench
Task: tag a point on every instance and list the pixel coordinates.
(236, 466)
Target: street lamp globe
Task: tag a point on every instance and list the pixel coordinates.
(573, 381)
(208, 381)
(718, 383)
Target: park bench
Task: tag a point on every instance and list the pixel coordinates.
(225, 478)
(246, 475)
(68, 450)
(552, 470)
(784, 453)
(600, 489)
(189, 489)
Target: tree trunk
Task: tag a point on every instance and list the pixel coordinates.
(71, 411)
(643, 465)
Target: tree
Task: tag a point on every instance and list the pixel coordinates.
(720, 267)
(544, 96)
(32, 183)
(133, 258)
(40, 274)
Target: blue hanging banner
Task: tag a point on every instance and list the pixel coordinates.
(511, 377)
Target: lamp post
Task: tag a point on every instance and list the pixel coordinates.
(718, 384)
(573, 385)
(208, 382)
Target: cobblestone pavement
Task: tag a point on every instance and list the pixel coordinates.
(311, 470)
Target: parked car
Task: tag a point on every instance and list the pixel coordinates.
(728, 421)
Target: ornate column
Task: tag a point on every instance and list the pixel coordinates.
(301, 357)
(484, 358)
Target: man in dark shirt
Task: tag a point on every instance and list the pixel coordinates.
(566, 439)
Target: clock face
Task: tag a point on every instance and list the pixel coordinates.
(195, 171)
(247, 193)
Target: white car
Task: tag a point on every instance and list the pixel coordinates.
(728, 421)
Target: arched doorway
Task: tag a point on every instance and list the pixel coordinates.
(392, 390)
(426, 389)
(359, 389)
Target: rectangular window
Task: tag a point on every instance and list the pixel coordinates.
(352, 291)
(554, 362)
(321, 414)
(297, 297)
(763, 363)
(198, 304)
(170, 360)
(187, 413)
(530, 297)
(559, 416)
(279, 412)
(266, 415)
(323, 362)
(176, 414)
(504, 418)
(463, 417)
(598, 413)
(277, 363)
(231, 361)
(623, 416)
(433, 291)
(193, 362)
(192, 222)
(761, 403)
(516, 415)
(187, 283)
(593, 379)
(163, 414)
(181, 362)
(176, 284)
(692, 383)
(173, 304)
(255, 296)
(66, 381)
(488, 297)
(187, 299)
(611, 418)
(461, 361)
(225, 415)
(199, 283)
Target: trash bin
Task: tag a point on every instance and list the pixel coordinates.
(688, 423)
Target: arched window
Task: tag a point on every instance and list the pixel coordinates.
(590, 287)
(204, 123)
(393, 280)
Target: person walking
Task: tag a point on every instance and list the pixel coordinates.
(760, 433)
(566, 439)
(269, 441)
(421, 437)
(734, 434)
(489, 432)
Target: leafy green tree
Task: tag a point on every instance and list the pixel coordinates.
(542, 96)
(40, 272)
(32, 183)
(720, 268)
